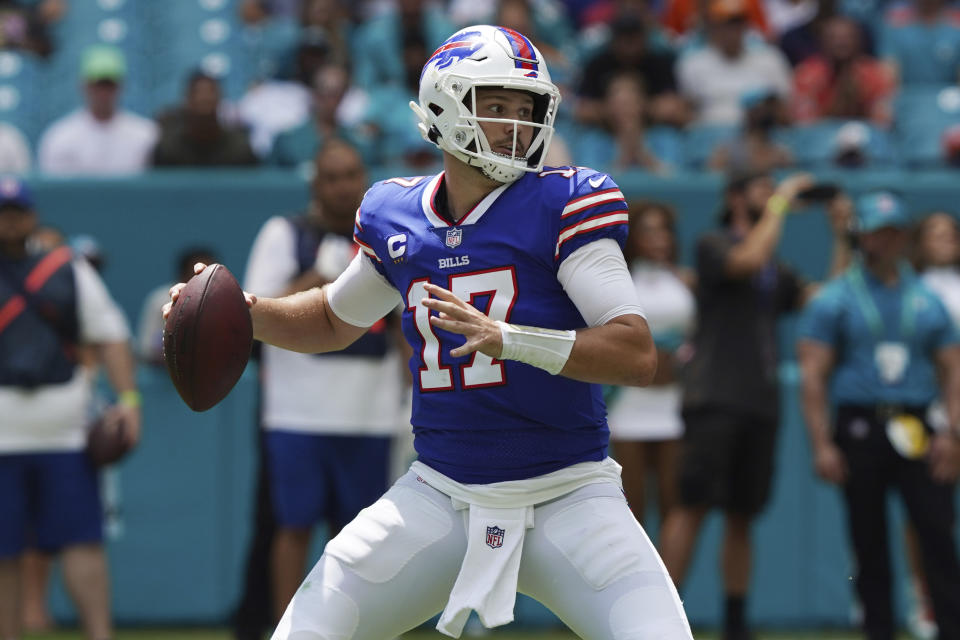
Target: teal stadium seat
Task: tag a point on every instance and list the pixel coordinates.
(700, 142)
(20, 80)
(208, 36)
(815, 146)
(922, 115)
(595, 148)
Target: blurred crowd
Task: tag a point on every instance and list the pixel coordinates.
(658, 85)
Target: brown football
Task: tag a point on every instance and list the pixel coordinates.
(207, 338)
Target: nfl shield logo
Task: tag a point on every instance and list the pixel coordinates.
(454, 237)
(495, 537)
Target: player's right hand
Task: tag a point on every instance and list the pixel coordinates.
(177, 288)
(830, 463)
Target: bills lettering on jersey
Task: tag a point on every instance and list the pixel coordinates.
(495, 537)
(477, 418)
(450, 263)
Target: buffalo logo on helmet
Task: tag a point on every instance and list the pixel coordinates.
(495, 537)
(459, 46)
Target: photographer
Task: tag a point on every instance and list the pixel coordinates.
(730, 397)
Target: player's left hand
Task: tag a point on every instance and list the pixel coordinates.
(944, 458)
(455, 315)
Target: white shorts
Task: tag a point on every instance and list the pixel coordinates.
(392, 568)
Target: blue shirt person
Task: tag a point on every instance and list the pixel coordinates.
(877, 335)
(924, 45)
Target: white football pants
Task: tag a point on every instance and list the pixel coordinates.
(392, 568)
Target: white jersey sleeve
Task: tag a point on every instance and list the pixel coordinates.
(597, 280)
(361, 295)
(101, 320)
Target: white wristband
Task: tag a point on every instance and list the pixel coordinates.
(547, 349)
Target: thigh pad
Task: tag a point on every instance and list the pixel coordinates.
(385, 536)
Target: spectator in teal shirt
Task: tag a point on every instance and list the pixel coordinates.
(878, 335)
(922, 40)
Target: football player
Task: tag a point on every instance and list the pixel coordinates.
(518, 305)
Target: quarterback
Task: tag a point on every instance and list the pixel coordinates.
(518, 305)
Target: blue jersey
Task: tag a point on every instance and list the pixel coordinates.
(477, 419)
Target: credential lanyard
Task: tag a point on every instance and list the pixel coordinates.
(869, 308)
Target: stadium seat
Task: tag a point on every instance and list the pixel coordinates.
(20, 78)
(209, 36)
(595, 148)
(922, 115)
(700, 142)
(817, 145)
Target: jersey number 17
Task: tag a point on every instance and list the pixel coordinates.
(499, 287)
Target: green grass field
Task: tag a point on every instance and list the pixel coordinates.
(219, 634)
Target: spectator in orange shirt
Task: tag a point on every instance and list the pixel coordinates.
(842, 81)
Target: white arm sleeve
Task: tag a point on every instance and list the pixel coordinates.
(101, 320)
(597, 280)
(361, 296)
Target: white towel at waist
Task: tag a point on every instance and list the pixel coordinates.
(523, 493)
(498, 516)
(487, 582)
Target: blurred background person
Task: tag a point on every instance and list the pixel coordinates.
(936, 257)
(101, 138)
(688, 20)
(624, 141)
(714, 77)
(645, 423)
(842, 81)
(149, 338)
(195, 135)
(875, 339)
(332, 19)
(53, 304)
(631, 51)
(280, 103)
(27, 26)
(754, 149)
(802, 40)
(920, 39)
(328, 419)
(339, 110)
(730, 394)
(785, 15)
